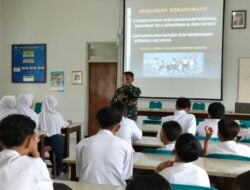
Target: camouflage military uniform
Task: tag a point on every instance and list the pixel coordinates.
(128, 95)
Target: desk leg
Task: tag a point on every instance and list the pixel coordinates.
(78, 135)
(66, 149)
(73, 173)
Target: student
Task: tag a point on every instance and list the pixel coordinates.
(20, 165)
(182, 170)
(187, 121)
(227, 133)
(170, 132)
(152, 181)
(216, 112)
(242, 181)
(51, 122)
(105, 158)
(129, 130)
(7, 106)
(128, 94)
(24, 105)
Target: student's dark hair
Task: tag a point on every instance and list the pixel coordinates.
(188, 148)
(108, 117)
(216, 110)
(172, 130)
(152, 181)
(242, 181)
(228, 129)
(183, 103)
(120, 106)
(14, 129)
(129, 73)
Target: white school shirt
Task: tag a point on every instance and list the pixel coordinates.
(168, 147)
(24, 103)
(23, 172)
(213, 123)
(187, 121)
(246, 134)
(104, 159)
(129, 130)
(7, 106)
(186, 174)
(229, 147)
(51, 121)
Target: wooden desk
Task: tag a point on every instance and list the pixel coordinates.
(147, 142)
(154, 142)
(150, 130)
(214, 167)
(85, 186)
(198, 114)
(74, 127)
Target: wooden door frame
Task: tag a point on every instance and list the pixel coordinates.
(86, 106)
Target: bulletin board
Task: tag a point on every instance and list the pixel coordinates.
(244, 80)
(29, 63)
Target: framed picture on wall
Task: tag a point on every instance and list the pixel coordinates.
(76, 77)
(239, 19)
(29, 63)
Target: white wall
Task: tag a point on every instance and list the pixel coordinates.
(66, 25)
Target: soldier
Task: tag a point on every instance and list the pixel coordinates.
(128, 94)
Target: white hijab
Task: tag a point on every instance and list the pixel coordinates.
(24, 104)
(51, 121)
(7, 106)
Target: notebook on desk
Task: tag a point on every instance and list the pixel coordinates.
(242, 107)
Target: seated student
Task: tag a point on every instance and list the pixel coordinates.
(105, 158)
(24, 105)
(51, 122)
(128, 129)
(20, 165)
(7, 106)
(227, 133)
(152, 181)
(216, 112)
(242, 181)
(182, 170)
(170, 132)
(187, 121)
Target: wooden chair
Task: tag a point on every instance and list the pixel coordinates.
(43, 149)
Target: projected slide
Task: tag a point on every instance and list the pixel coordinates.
(175, 47)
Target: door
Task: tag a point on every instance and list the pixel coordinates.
(102, 85)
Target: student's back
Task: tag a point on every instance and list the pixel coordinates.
(227, 132)
(105, 158)
(128, 130)
(186, 120)
(182, 170)
(24, 104)
(216, 111)
(23, 172)
(20, 165)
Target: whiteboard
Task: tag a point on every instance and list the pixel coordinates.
(244, 80)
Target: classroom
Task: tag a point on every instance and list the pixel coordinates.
(85, 47)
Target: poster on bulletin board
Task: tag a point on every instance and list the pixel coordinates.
(29, 63)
